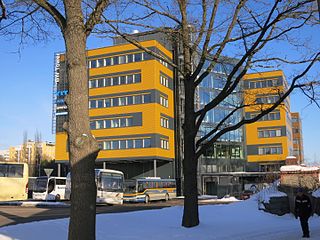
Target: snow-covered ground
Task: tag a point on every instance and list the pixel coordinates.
(35, 204)
(238, 220)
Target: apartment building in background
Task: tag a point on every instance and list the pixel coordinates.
(30, 151)
(297, 137)
(131, 109)
(4, 155)
(268, 141)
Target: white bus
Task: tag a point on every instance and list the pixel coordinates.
(109, 186)
(148, 189)
(13, 181)
(49, 188)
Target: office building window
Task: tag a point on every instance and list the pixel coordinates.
(265, 83)
(268, 117)
(114, 81)
(164, 81)
(164, 122)
(268, 150)
(269, 133)
(123, 59)
(126, 144)
(120, 101)
(164, 101)
(267, 99)
(164, 144)
(111, 123)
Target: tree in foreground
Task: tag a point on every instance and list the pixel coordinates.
(33, 20)
(257, 34)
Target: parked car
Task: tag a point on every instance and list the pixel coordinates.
(246, 194)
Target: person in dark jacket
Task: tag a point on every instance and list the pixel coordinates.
(303, 210)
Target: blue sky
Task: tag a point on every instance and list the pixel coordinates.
(26, 95)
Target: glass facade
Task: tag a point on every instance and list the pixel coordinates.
(226, 154)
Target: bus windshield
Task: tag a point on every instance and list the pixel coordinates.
(111, 181)
(130, 186)
(41, 185)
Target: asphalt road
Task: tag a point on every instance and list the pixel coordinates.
(10, 215)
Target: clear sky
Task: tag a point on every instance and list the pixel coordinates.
(26, 95)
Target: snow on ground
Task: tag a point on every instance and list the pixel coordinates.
(316, 193)
(235, 221)
(35, 204)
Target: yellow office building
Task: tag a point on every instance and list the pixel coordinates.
(131, 109)
(269, 140)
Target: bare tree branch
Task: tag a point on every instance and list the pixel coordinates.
(95, 16)
(3, 9)
(148, 5)
(54, 12)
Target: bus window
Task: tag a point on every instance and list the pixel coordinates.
(3, 170)
(111, 181)
(40, 185)
(61, 181)
(51, 185)
(140, 187)
(15, 171)
(130, 187)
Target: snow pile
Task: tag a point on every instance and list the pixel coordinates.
(298, 168)
(226, 199)
(235, 221)
(316, 193)
(265, 194)
(35, 204)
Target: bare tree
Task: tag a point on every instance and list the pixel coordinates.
(32, 19)
(24, 149)
(38, 153)
(206, 31)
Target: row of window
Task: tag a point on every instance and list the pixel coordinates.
(164, 144)
(269, 133)
(120, 101)
(267, 99)
(268, 117)
(164, 101)
(164, 122)
(111, 123)
(125, 144)
(115, 60)
(164, 81)
(114, 81)
(265, 83)
(122, 59)
(270, 150)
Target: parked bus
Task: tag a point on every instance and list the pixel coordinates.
(148, 189)
(49, 188)
(109, 186)
(13, 181)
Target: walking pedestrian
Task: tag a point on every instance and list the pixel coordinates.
(303, 210)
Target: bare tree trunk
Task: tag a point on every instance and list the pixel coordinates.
(83, 149)
(190, 211)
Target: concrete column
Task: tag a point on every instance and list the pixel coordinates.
(154, 167)
(104, 165)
